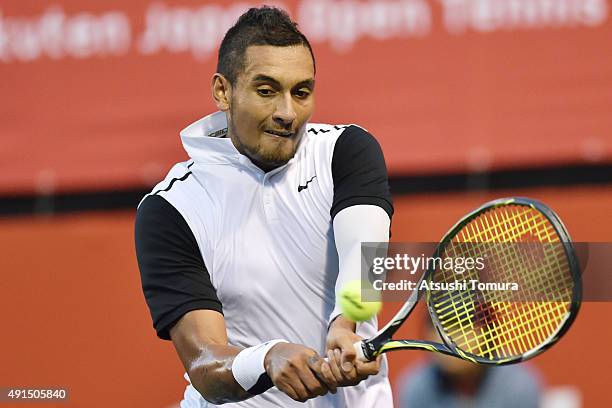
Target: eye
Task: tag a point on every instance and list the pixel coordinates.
(302, 93)
(264, 91)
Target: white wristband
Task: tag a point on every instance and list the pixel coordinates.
(248, 367)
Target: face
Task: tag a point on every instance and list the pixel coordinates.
(270, 103)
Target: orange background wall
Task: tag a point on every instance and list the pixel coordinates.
(73, 313)
(472, 87)
(471, 90)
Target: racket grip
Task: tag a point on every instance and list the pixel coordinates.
(359, 350)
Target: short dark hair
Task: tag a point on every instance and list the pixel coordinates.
(258, 26)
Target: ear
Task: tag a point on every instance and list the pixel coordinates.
(221, 91)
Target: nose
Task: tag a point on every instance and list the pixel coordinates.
(285, 113)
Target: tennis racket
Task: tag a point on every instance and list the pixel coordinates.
(492, 327)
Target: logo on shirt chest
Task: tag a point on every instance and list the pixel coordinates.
(305, 186)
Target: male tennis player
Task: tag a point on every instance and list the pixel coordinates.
(242, 248)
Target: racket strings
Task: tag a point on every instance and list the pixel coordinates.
(509, 320)
(536, 330)
(498, 324)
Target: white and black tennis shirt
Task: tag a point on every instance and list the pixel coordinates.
(219, 233)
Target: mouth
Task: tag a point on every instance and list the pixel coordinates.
(280, 133)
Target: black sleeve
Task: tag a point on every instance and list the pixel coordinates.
(359, 172)
(174, 277)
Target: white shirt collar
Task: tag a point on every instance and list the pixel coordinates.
(206, 141)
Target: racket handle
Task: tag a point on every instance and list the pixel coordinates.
(359, 350)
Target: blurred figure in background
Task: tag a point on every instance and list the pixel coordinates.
(448, 382)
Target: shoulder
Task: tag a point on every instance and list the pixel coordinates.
(324, 129)
(356, 141)
(158, 221)
(178, 172)
(180, 190)
(152, 206)
(327, 132)
(355, 146)
(155, 209)
(342, 140)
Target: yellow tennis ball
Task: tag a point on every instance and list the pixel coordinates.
(353, 307)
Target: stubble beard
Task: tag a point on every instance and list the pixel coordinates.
(270, 156)
(276, 155)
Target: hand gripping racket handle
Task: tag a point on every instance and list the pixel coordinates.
(359, 347)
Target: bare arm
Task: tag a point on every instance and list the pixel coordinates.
(200, 340)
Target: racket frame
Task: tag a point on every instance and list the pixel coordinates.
(383, 342)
